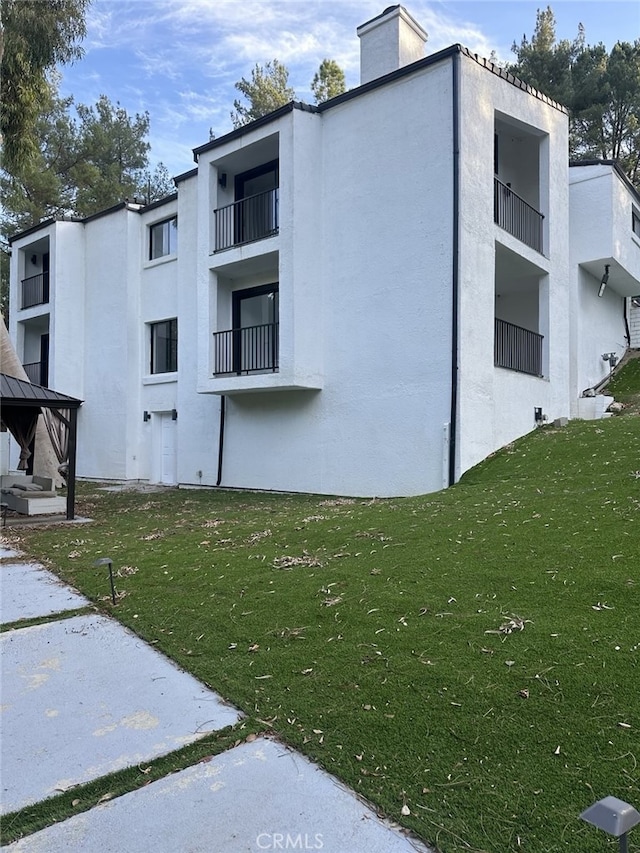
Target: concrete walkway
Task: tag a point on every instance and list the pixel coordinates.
(82, 697)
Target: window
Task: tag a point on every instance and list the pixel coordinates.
(256, 208)
(164, 346)
(255, 328)
(635, 222)
(163, 238)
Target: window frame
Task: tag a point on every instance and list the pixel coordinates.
(237, 297)
(635, 221)
(171, 344)
(171, 246)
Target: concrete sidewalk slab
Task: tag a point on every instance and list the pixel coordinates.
(256, 797)
(27, 590)
(83, 697)
(6, 552)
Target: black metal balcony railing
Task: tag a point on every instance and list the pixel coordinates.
(516, 216)
(246, 350)
(517, 348)
(35, 290)
(35, 373)
(249, 219)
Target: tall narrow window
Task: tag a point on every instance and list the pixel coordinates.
(164, 346)
(163, 238)
(635, 222)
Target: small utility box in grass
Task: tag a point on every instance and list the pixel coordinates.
(613, 816)
(560, 422)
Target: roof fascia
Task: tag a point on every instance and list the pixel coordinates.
(254, 125)
(617, 168)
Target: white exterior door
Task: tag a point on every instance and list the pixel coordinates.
(168, 449)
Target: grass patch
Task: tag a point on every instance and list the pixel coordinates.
(472, 655)
(43, 620)
(625, 385)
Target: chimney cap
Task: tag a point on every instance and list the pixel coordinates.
(393, 11)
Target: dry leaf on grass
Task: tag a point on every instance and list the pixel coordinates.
(288, 562)
(513, 623)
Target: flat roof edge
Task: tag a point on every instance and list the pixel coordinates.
(617, 168)
(253, 125)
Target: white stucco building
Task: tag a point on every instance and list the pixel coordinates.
(366, 297)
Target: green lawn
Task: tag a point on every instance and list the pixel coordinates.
(472, 655)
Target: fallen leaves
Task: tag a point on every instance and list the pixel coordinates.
(287, 561)
(513, 623)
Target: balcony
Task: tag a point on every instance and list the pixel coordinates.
(35, 290)
(516, 216)
(517, 349)
(251, 349)
(245, 221)
(37, 372)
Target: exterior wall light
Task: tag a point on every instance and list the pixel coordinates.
(613, 816)
(174, 414)
(604, 280)
(222, 180)
(146, 416)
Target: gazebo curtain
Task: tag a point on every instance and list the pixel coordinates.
(21, 423)
(57, 423)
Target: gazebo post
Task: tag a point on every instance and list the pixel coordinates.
(71, 473)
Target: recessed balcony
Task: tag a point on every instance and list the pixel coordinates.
(35, 290)
(251, 349)
(517, 216)
(245, 221)
(516, 348)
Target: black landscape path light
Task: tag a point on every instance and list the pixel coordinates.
(613, 816)
(107, 561)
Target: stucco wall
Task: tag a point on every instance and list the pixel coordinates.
(497, 405)
(600, 216)
(600, 329)
(108, 440)
(366, 274)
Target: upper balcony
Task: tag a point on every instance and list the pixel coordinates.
(34, 290)
(247, 220)
(245, 192)
(517, 186)
(33, 271)
(516, 216)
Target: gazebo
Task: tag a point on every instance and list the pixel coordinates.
(22, 403)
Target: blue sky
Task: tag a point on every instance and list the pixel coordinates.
(180, 59)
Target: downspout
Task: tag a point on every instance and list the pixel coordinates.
(625, 314)
(453, 421)
(221, 438)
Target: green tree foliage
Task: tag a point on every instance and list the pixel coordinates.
(267, 90)
(600, 89)
(328, 81)
(84, 163)
(114, 153)
(36, 36)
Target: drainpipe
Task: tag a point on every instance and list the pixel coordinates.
(453, 429)
(625, 314)
(221, 439)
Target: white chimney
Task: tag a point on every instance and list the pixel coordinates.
(388, 42)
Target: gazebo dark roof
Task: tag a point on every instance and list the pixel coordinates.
(20, 392)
